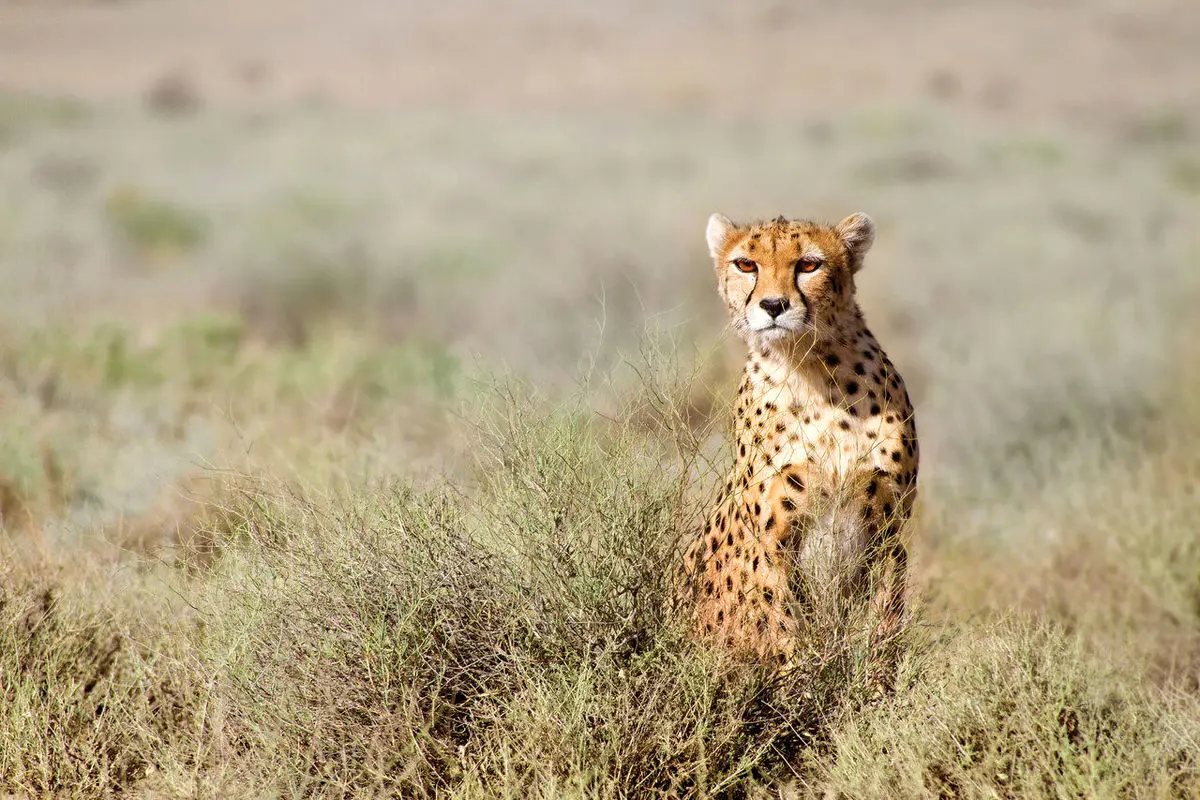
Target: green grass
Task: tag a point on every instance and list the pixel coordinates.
(21, 114)
(156, 229)
(1185, 174)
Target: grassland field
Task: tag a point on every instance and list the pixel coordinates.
(344, 451)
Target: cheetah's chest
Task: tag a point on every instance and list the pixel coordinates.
(781, 427)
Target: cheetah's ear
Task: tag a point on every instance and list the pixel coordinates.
(858, 232)
(718, 233)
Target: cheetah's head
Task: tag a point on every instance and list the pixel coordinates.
(787, 278)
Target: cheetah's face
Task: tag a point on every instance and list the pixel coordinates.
(784, 278)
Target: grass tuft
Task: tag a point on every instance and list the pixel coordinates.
(156, 229)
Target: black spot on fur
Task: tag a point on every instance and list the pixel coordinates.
(852, 387)
(859, 369)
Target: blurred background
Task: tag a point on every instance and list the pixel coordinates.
(294, 231)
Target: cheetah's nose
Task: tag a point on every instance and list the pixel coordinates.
(774, 305)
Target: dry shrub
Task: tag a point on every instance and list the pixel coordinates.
(192, 521)
(1016, 708)
(14, 506)
(316, 287)
(516, 637)
(92, 685)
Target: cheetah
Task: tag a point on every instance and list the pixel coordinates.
(826, 446)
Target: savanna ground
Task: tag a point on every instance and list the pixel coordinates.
(360, 374)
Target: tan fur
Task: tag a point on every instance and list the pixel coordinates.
(826, 466)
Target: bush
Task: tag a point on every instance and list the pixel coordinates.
(94, 687)
(517, 639)
(1018, 709)
(155, 228)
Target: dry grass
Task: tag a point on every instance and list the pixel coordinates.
(513, 638)
(269, 529)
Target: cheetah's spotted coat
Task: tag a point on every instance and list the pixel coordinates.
(826, 468)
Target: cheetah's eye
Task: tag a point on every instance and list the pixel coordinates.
(809, 264)
(745, 264)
